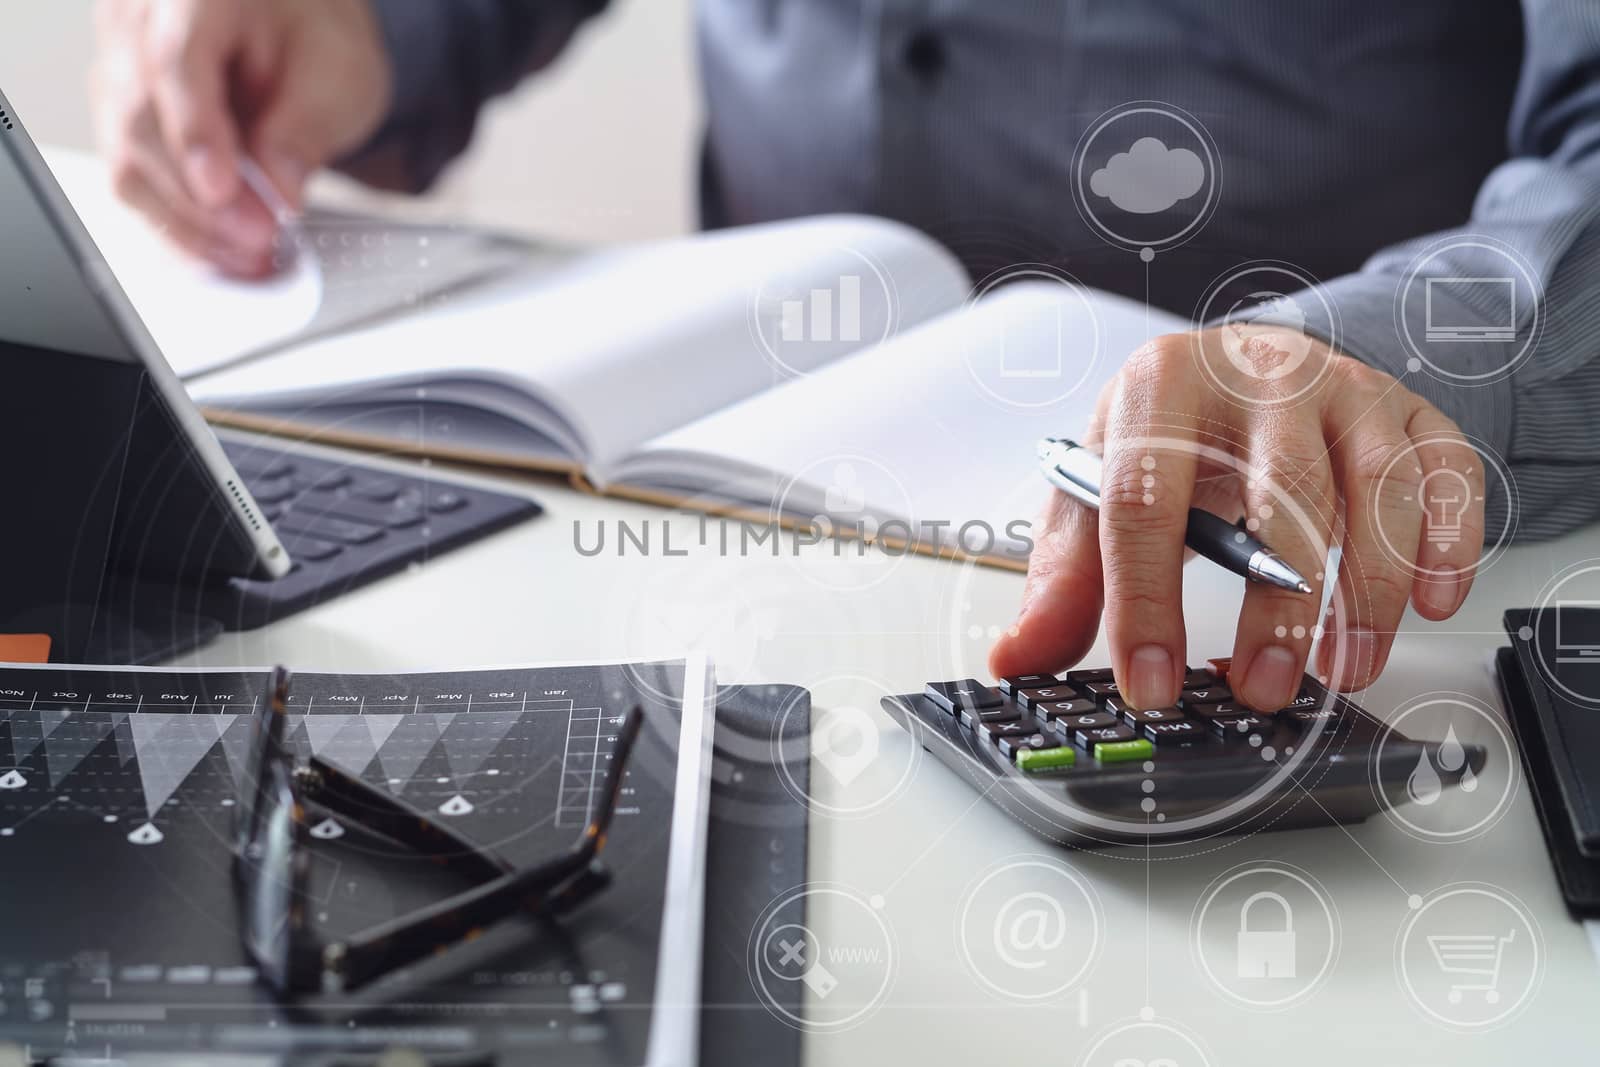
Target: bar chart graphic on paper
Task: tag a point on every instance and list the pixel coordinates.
(824, 314)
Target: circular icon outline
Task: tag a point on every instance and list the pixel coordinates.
(1274, 868)
(1213, 169)
(1043, 272)
(1057, 869)
(1307, 284)
(1391, 729)
(1413, 272)
(812, 804)
(1511, 903)
(757, 963)
(891, 319)
(1548, 606)
(1202, 1057)
(866, 541)
(1490, 554)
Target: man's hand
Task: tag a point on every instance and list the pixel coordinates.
(1344, 445)
(183, 88)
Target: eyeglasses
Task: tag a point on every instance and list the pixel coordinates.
(271, 864)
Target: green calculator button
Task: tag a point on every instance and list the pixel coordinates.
(1048, 759)
(1123, 751)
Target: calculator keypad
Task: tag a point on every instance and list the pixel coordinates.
(1029, 715)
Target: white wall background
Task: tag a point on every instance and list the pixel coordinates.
(601, 147)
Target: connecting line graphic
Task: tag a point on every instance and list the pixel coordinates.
(937, 840)
(1346, 831)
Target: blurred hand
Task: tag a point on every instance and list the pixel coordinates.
(1326, 435)
(182, 88)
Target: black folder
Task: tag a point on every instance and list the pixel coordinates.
(1550, 682)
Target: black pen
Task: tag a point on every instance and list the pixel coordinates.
(1075, 471)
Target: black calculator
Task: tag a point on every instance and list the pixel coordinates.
(1077, 764)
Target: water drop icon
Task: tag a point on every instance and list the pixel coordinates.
(1423, 785)
(1469, 781)
(1452, 757)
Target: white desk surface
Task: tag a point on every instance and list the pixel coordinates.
(853, 632)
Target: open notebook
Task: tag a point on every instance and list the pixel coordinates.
(834, 372)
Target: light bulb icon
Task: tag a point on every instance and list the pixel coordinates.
(1444, 496)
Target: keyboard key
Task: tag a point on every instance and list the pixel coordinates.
(321, 481)
(444, 501)
(1210, 694)
(273, 492)
(1102, 735)
(1306, 717)
(1123, 751)
(1140, 716)
(1011, 747)
(1031, 698)
(328, 528)
(310, 550)
(373, 514)
(1019, 682)
(1182, 732)
(1089, 720)
(971, 718)
(378, 490)
(1034, 761)
(1056, 709)
(997, 730)
(258, 468)
(1239, 725)
(948, 694)
(1225, 710)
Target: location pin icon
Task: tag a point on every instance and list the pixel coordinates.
(845, 742)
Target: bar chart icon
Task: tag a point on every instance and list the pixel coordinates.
(824, 314)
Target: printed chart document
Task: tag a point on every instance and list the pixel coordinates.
(117, 790)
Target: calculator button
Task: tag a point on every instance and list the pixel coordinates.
(1225, 710)
(1049, 759)
(1020, 682)
(1182, 732)
(1104, 735)
(1305, 701)
(1140, 716)
(948, 695)
(1209, 694)
(997, 730)
(1306, 718)
(1123, 751)
(1032, 698)
(1239, 725)
(1101, 690)
(1010, 747)
(1060, 708)
(1193, 679)
(1089, 720)
(971, 718)
(1103, 674)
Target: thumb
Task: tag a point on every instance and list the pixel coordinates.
(1062, 600)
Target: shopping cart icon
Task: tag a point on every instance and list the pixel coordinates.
(1472, 955)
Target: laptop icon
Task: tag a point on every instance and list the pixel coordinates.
(1577, 642)
(1454, 315)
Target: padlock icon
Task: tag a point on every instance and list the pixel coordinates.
(1266, 953)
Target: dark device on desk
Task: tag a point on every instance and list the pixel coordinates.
(1550, 683)
(1073, 763)
(129, 533)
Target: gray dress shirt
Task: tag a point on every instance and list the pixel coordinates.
(1375, 145)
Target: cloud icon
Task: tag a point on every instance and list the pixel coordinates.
(1149, 177)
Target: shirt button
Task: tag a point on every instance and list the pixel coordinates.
(925, 54)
